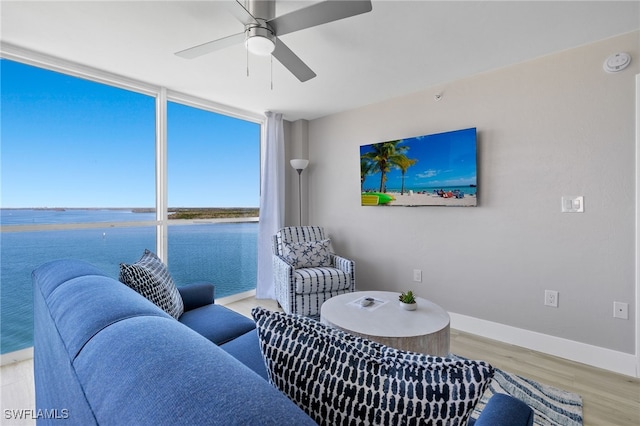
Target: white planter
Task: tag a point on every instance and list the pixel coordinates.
(408, 306)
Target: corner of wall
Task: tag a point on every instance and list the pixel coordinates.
(296, 146)
(637, 257)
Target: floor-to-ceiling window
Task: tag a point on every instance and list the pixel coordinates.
(213, 177)
(80, 179)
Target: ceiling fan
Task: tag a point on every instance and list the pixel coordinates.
(262, 28)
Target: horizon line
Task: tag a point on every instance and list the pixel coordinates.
(119, 208)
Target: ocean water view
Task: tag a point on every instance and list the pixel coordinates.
(222, 253)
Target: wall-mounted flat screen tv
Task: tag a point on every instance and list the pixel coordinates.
(430, 170)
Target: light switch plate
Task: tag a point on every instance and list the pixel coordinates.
(573, 204)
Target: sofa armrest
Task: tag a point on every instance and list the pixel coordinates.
(197, 295)
(505, 410)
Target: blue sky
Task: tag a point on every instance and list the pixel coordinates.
(68, 142)
(444, 160)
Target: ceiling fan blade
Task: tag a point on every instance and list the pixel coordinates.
(291, 62)
(317, 14)
(211, 46)
(241, 13)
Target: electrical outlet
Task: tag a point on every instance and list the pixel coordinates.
(417, 275)
(551, 298)
(621, 310)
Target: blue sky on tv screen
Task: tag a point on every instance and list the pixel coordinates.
(443, 160)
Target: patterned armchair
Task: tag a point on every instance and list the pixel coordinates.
(306, 273)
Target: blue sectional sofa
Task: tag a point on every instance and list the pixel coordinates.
(105, 355)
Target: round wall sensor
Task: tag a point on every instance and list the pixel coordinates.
(617, 62)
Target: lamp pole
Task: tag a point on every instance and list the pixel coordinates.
(299, 165)
(300, 193)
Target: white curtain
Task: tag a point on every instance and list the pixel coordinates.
(271, 201)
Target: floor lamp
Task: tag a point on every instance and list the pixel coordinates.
(299, 165)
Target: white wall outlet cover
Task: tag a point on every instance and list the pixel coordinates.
(551, 298)
(617, 62)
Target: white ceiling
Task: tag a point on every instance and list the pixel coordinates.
(399, 48)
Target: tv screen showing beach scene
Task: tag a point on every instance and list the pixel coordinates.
(430, 170)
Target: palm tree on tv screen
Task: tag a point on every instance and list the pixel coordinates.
(403, 163)
(366, 168)
(384, 155)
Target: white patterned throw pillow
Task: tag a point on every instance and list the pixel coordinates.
(339, 379)
(307, 254)
(150, 277)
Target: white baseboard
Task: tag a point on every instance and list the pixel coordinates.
(16, 356)
(595, 356)
(235, 297)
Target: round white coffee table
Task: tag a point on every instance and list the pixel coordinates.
(425, 330)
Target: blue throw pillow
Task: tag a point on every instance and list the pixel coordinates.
(150, 277)
(338, 378)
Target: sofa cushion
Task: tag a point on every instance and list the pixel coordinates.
(246, 349)
(154, 371)
(95, 292)
(217, 323)
(150, 277)
(52, 274)
(307, 254)
(338, 378)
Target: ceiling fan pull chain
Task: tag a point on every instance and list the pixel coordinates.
(271, 72)
(247, 50)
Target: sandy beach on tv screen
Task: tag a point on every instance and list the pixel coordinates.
(430, 199)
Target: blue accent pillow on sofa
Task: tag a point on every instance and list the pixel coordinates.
(339, 378)
(150, 277)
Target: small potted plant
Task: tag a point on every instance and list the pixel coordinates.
(408, 301)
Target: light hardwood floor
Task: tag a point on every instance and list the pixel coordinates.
(609, 399)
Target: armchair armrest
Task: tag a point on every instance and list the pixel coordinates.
(505, 410)
(283, 282)
(342, 263)
(279, 260)
(282, 271)
(197, 295)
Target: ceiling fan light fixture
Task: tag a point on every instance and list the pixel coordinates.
(260, 41)
(262, 30)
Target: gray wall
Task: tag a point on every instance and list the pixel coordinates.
(553, 126)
